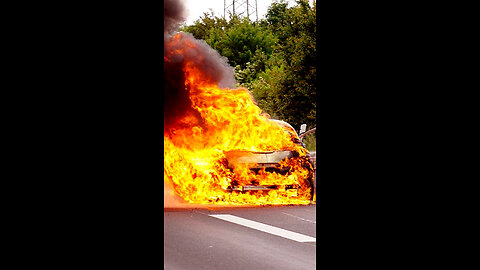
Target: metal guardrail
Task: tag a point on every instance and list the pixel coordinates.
(306, 133)
(313, 157)
(313, 154)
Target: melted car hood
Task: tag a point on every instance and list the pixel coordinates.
(261, 158)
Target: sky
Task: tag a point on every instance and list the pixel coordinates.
(196, 8)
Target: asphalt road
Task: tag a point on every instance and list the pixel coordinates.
(270, 238)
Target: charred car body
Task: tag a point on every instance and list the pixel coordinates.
(270, 162)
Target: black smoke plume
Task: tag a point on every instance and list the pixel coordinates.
(214, 67)
(174, 14)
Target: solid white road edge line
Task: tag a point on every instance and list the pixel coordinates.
(266, 228)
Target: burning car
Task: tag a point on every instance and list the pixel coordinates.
(219, 147)
(271, 162)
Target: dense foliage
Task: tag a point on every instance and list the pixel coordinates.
(275, 58)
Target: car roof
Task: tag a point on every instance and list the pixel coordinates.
(280, 122)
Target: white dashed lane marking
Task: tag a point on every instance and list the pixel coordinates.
(266, 228)
(300, 218)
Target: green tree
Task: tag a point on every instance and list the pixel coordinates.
(242, 41)
(288, 83)
(202, 27)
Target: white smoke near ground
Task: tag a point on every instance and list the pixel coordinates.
(170, 199)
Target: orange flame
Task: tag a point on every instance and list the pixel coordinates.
(194, 153)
